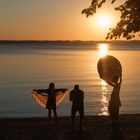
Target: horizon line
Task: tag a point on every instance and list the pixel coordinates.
(28, 40)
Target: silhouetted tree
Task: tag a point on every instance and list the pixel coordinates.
(129, 23)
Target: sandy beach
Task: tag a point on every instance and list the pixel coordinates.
(95, 128)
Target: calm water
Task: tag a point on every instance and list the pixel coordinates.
(24, 67)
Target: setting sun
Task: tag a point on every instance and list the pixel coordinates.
(101, 23)
(104, 21)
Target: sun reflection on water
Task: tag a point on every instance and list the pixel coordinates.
(104, 100)
(103, 49)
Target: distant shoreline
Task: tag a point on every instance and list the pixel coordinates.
(95, 127)
(68, 44)
(69, 41)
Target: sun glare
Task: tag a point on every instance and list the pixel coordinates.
(103, 83)
(104, 21)
(103, 49)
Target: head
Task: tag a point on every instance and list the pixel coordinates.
(76, 87)
(115, 79)
(51, 86)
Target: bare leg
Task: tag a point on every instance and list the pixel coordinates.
(81, 123)
(81, 113)
(49, 115)
(73, 113)
(55, 116)
(73, 123)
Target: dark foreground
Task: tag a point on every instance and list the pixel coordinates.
(95, 128)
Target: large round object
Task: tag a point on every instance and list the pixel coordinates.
(108, 67)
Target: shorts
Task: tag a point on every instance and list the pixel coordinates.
(77, 109)
(51, 105)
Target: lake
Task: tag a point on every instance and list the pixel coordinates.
(27, 66)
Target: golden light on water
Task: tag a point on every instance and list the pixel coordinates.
(103, 83)
(103, 49)
(104, 100)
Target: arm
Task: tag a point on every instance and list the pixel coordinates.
(71, 98)
(110, 84)
(83, 95)
(120, 80)
(41, 91)
(58, 91)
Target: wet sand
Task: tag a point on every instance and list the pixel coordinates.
(95, 128)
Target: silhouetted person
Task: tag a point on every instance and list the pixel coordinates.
(115, 103)
(51, 102)
(77, 98)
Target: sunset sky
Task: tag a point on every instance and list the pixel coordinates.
(54, 20)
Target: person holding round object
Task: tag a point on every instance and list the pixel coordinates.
(110, 70)
(115, 102)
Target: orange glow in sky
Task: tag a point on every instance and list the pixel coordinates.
(104, 21)
(54, 20)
